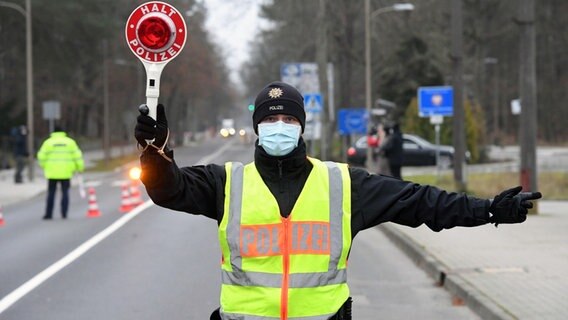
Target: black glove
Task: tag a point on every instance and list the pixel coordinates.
(148, 128)
(511, 206)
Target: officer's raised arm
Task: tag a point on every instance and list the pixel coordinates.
(189, 189)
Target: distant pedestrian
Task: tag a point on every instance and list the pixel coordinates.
(20, 148)
(382, 161)
(392, 149)
(60, 158)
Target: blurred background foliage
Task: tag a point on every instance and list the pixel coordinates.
(69, 52)
(410, 49)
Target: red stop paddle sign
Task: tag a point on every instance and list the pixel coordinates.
(156, 33)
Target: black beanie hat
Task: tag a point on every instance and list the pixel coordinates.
(278, 97)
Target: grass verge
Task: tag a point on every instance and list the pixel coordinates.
(553, 185)
(111, 164)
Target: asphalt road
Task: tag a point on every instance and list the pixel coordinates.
(153, 263)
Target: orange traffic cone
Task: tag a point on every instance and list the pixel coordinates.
(135, 196)
(93, 211)
(1, 217)
(125, 203)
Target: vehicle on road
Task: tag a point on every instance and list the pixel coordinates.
(417, 151)
(227, 128)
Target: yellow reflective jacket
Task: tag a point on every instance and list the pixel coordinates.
(285, 268)
(60, 157)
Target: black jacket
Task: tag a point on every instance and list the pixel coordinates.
(374, 198)
(392, 147)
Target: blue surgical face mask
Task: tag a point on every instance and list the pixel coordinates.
(278, 138)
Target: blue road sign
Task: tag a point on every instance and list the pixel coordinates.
(313, 102)
(353, 120)
(435, 101)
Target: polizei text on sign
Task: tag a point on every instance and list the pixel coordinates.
(156, 32)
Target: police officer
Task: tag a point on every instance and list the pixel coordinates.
(59, 157)
(286, 221)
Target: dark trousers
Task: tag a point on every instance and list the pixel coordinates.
(51, 189)
(395, 171)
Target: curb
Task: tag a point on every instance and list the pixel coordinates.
(476, 300)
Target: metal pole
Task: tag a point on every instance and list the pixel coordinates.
(106, 131)
(527, 88)
(437, 129)
(492, 64)
(321, 58)
(30, 90)
(496, 114)
(330, 93)
(459, 114)
(369, 162)
(369, 16)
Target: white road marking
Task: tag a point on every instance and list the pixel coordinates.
(210, 157)
(93, 183)
(119, 183)
(31, 284)
(41, 277)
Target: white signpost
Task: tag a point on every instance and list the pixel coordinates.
(51, 110)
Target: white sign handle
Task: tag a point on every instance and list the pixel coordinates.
(153, 74)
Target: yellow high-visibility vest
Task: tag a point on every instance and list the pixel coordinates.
(60, 157)
(285, 268)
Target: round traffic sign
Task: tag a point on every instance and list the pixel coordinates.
(355, 122)
(156, 32)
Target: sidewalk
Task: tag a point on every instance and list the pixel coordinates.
(509, 272)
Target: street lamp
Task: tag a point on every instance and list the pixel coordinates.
(394, 7)
(27, 13)
(368, 17)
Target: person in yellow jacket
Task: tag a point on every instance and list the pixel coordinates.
(60, 157)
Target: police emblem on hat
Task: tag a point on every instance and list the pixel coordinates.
(275, 93)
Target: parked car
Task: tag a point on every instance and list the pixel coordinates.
(416, 152)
